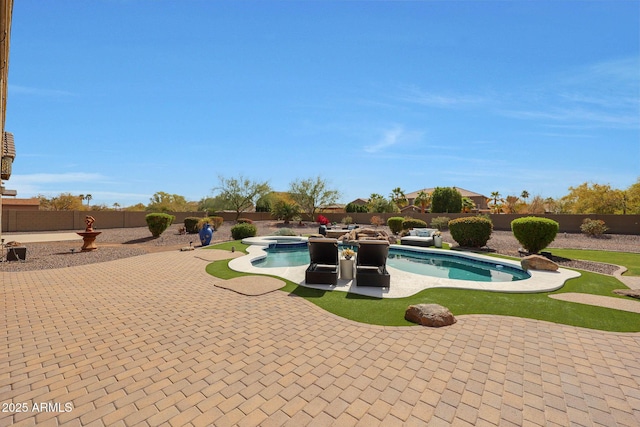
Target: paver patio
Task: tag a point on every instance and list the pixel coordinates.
(150, 340)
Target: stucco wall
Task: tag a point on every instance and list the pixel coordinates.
(25, 221)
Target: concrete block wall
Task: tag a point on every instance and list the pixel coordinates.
(27, 221)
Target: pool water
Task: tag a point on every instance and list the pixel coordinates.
(284, 256)
(448, 266)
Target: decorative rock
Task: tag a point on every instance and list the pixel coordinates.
(187, 248)
(433, 315)
(538, 262)
(633, 293)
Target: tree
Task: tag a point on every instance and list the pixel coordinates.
(537, 205)
(312, 193)
(210, 204)
(378, 204)
(632, 198)
(467, 205)
(398, 197)
(165, 202)
(240, 194)
(116, 206)
(446, 200)
(423, 199)
(285, 211)
(525, 195)
(138, 207)
(511, 204)
(88, 198)
(594, 199)
(62, 202)
(354, 207)
(495, 198)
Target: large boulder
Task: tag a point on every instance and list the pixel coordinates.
(538, 262)
(433, 315)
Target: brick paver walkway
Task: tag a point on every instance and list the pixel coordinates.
(150, 340)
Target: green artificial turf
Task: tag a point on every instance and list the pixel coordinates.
(627, 259)
(390, 311)
(226, 246)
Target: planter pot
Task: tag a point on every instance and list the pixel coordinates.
(437, 241)
(206, 234)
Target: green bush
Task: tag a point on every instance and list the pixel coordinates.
(395, 224)
(472, 232)
(285, 232)
(159, 222)
(243, 230)
(440, 222)
(593, 227)
(534, 233)
(354, 207)
(244, 221)
(410, 223)
(191, 224)
(347, 220)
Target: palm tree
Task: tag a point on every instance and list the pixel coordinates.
(88, 198)
(524, 195)
(467, 205)
(116, 205)
(398, 197)
(423, 199)
(495, 197)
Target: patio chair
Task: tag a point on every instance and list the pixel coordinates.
(323, 268)
(371, 263)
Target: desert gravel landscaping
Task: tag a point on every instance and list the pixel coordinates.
(120, 243)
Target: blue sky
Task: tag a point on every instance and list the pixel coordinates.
(123, 98)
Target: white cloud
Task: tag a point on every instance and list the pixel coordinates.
(391, 137)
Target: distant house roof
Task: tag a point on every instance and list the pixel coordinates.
(360, 202)
(463, 193)
(411, 208)
(335, 206)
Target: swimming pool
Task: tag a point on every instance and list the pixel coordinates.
(442, 265)
(403, 283)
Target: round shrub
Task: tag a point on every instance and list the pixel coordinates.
(534, 233)
(410, 223)
(593, 227)
(244, 221)
(243, 230)
(285, 232)
(191, 224)
(395, 224)
(158, 223)
(472, 232)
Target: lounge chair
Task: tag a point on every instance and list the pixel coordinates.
(371, 263)
(323, 268)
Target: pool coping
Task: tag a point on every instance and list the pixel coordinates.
(403, 284)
